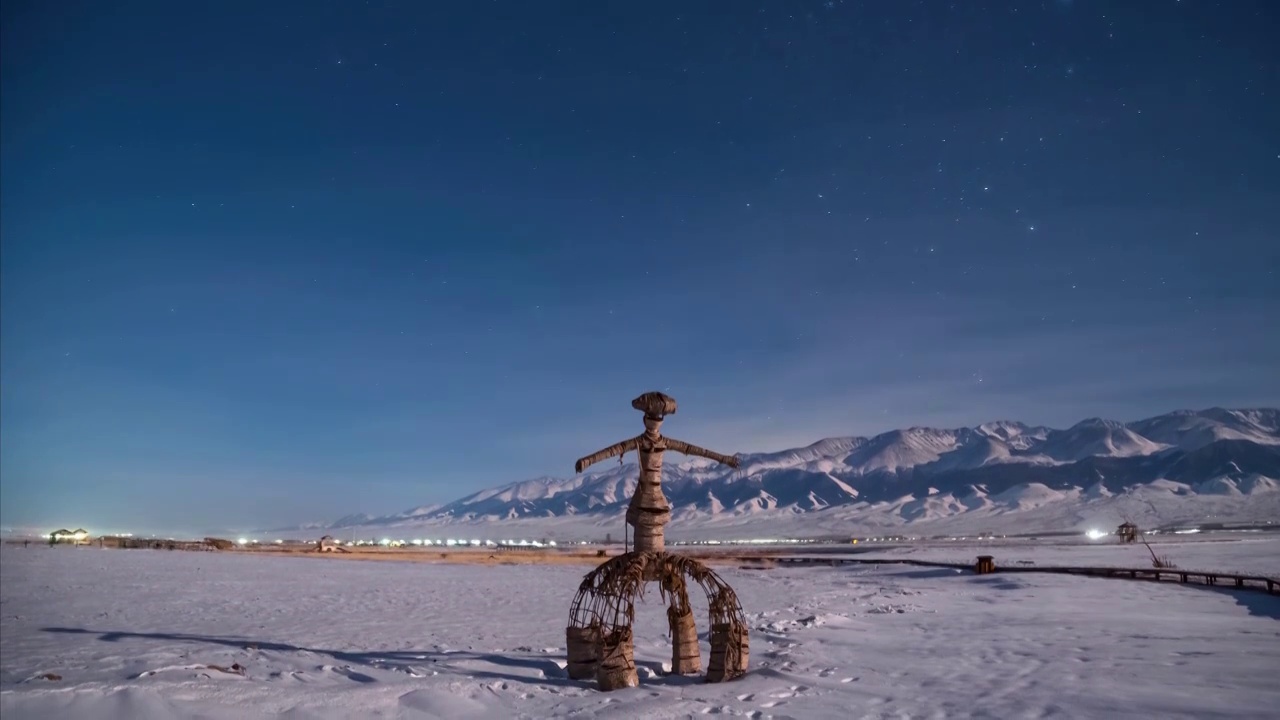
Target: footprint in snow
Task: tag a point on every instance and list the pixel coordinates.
(350, 674)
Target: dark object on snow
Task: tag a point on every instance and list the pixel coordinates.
(1127, 532)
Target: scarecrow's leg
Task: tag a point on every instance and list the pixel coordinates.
(617, 667)
(686, 659)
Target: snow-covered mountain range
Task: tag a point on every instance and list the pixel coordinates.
(1000, 476)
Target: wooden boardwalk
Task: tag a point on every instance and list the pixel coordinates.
(1189, 577)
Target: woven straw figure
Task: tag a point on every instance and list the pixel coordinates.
(649, 511)
(599, 636)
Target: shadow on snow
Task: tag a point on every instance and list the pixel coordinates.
(538, 669)
(542, 670)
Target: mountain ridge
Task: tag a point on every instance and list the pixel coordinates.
(916, 475)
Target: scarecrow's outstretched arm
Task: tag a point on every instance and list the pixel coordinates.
(621, 448)
(681, 446)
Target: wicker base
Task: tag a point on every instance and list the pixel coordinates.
(617, 667)
(583, 646)
(729, 652)
(686, 658)
(603, 610)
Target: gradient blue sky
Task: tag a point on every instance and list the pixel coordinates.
(272, 262)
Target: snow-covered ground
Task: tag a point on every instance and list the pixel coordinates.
(131, 635)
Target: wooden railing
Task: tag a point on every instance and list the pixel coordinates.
(1190, 577)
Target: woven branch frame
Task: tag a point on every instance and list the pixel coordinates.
(605, 605)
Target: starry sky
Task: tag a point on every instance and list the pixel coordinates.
(274, 262)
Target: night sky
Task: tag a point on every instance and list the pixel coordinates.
(273, 262)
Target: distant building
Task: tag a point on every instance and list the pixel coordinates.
(1127, 532)
(219, 543)
(79, 536)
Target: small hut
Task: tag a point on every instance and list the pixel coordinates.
(1127, 532)
(327, 544)
(219, 543)
(79, 536)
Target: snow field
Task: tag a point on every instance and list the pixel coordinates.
(132, 635)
